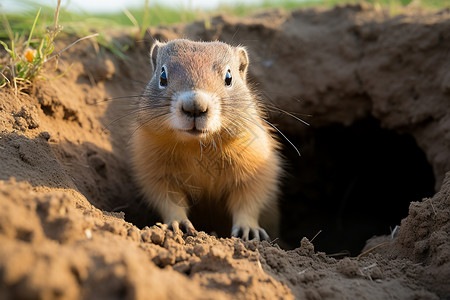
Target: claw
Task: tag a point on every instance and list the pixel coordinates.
(254, 232)
(174, 226)
(183, 226)
(249, 233)
(235, 231)
(264, 235)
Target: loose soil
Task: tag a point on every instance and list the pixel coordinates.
(375, 89)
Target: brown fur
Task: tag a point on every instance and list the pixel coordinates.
(234, 169)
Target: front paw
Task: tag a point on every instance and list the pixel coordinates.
(249, 233)
(185, 226)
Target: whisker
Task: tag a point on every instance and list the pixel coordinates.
(116, 98)
(271, 125)
(228, 131)
(294, 113)
(140, 109)
(247, 118)
(145, 123)
(274, 127)
(173, 150)
(122, 117)
(201, 149)
(127, 97)
(291, 115)
(219, 138)
(236, 125)
(272, 105)
(266, 94)
(151, 106)
(155, 116)
(268, 105)
(214, 144)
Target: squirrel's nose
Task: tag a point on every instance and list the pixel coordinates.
(193, 110)
(196, 105)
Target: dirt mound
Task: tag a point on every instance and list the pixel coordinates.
(424, 238)
(72, 224)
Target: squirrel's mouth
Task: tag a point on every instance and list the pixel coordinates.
(195, 132)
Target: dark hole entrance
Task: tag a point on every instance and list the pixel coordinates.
(351, 182)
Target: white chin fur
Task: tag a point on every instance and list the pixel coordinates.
(199, 126)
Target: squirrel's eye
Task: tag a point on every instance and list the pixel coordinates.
(228, 78)
(163, 77)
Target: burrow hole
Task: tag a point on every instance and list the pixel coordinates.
(352, 183)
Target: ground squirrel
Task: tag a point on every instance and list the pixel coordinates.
(203, 139)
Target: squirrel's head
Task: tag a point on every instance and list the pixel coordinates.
(198, 90)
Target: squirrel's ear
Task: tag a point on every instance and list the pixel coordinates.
(154, 53)
(243, 62)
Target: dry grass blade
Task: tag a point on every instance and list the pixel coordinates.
(315, 236)
(371, 249)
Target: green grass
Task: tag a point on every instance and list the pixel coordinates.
(82, 23)
(26, 61)
(244, 9)
(30, 28)
(73, 23)
(27, 53)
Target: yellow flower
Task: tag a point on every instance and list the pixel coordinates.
(30, 53)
